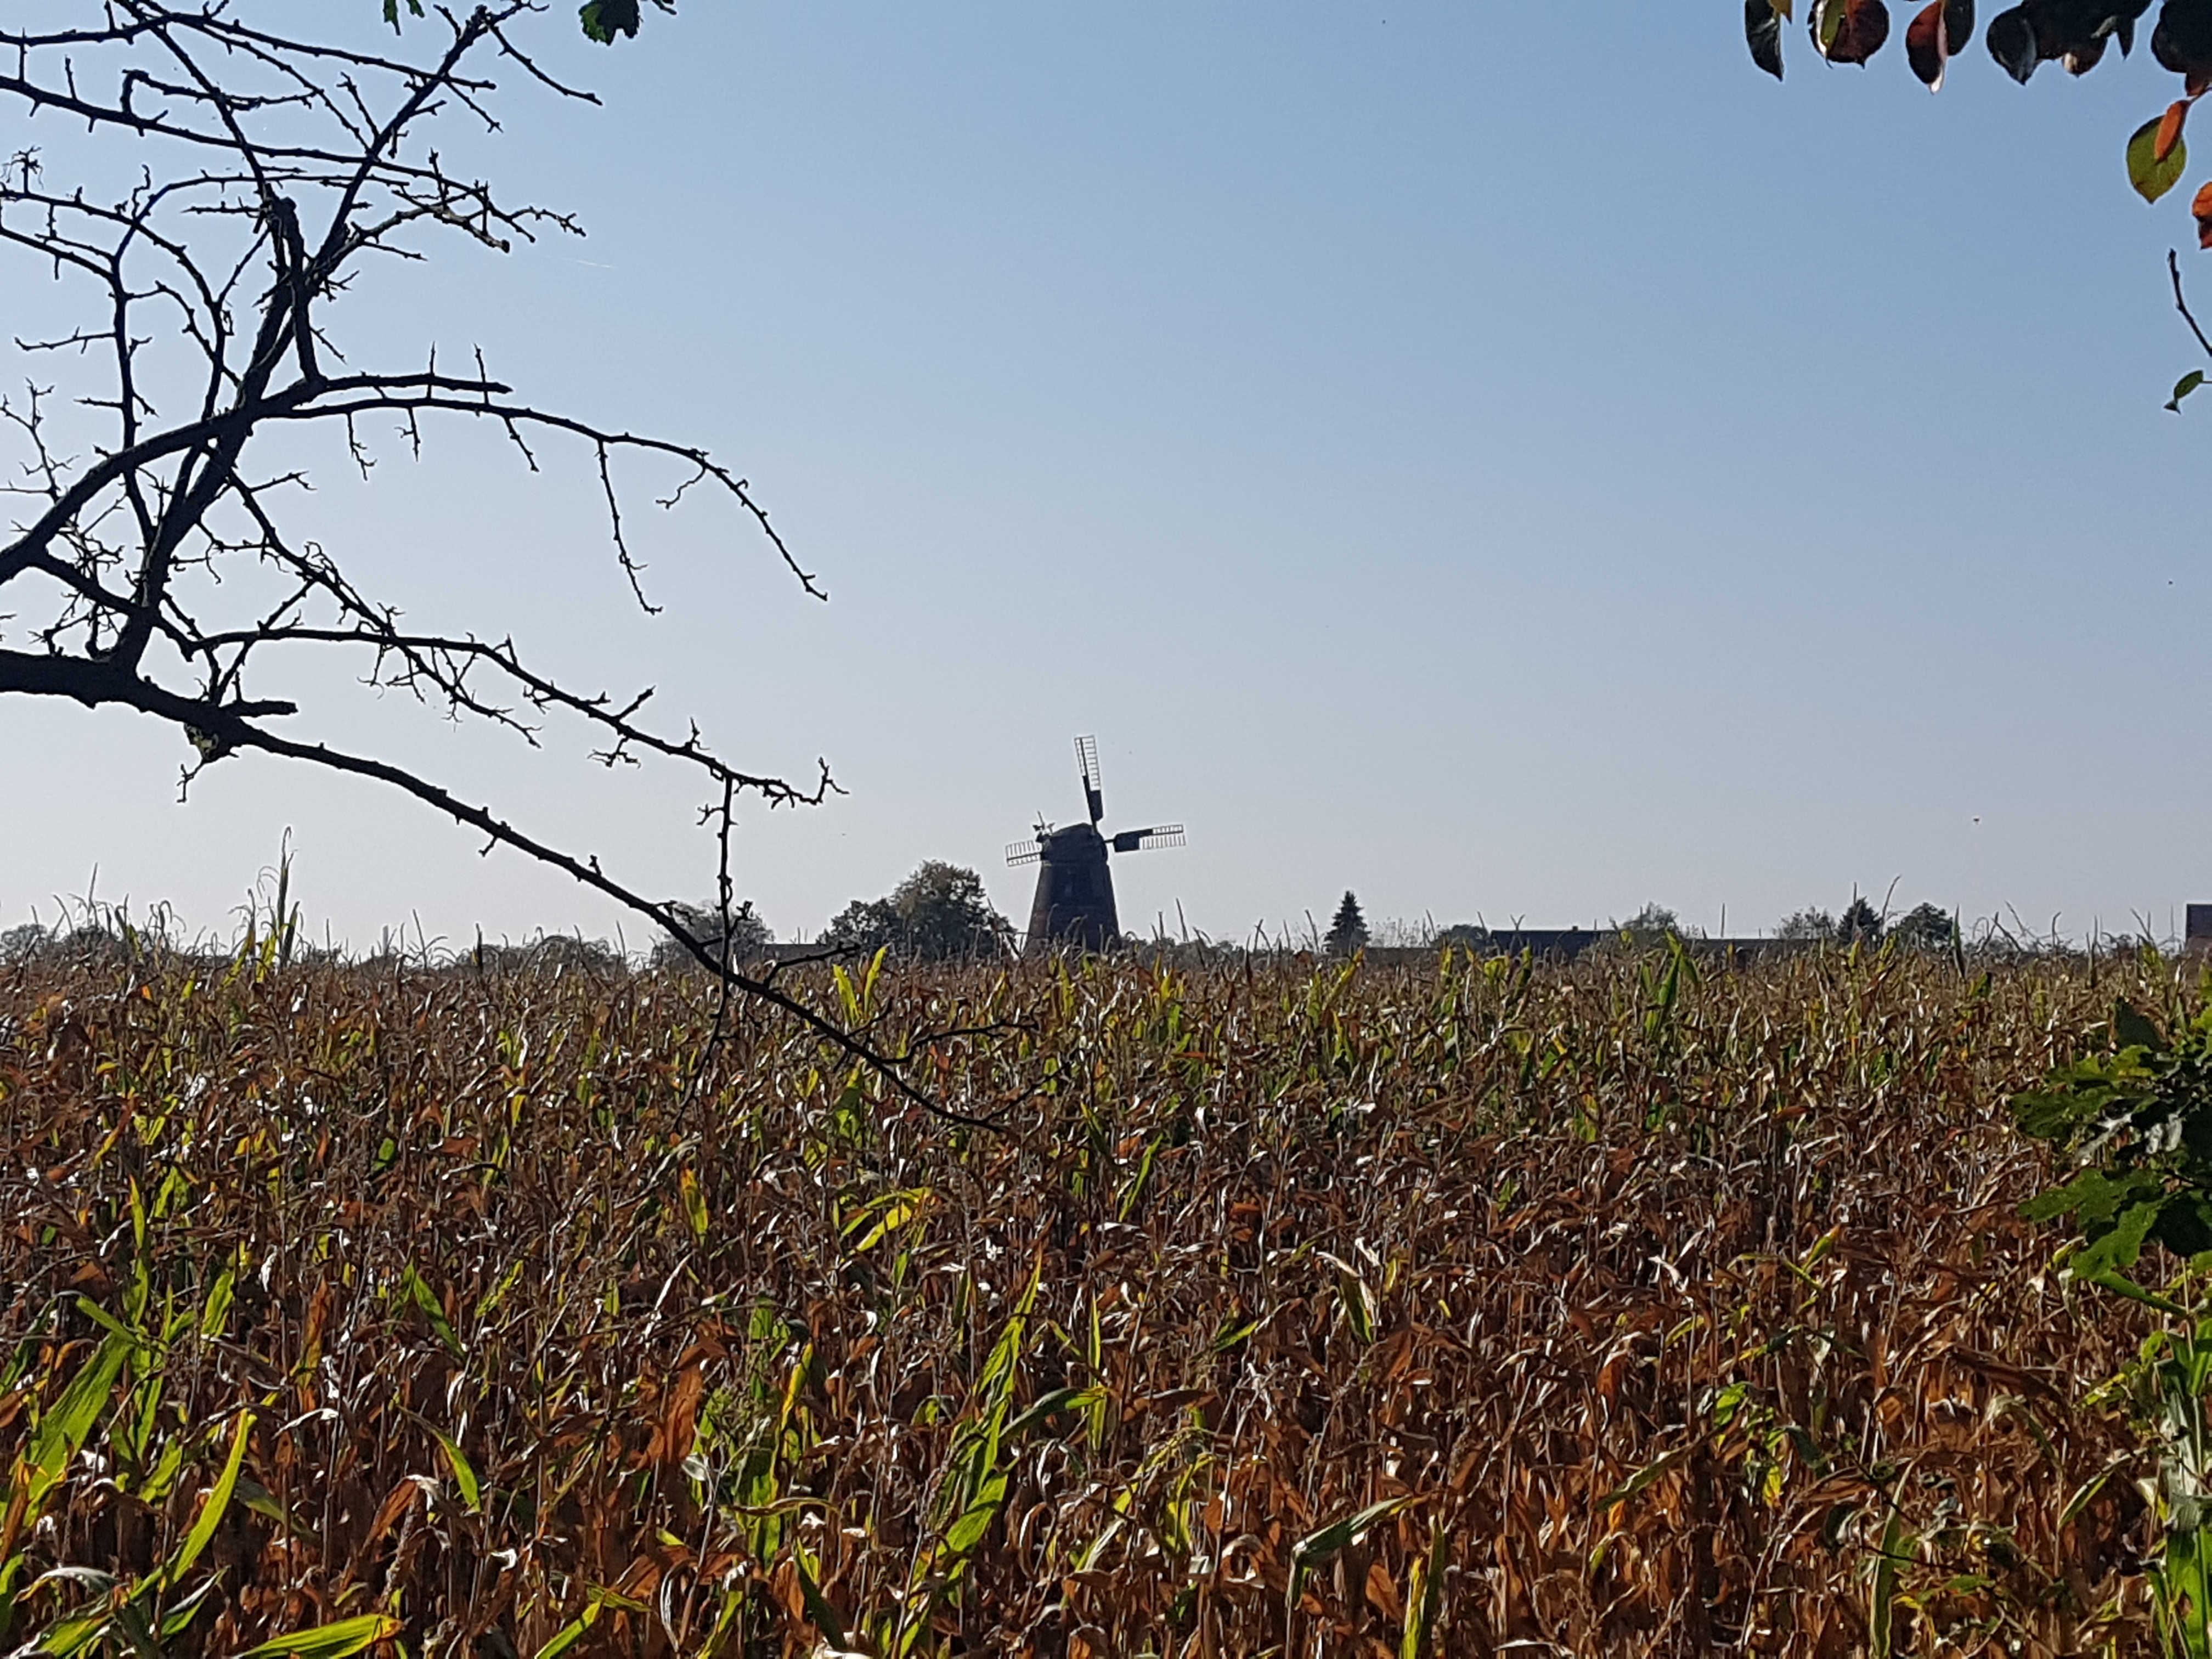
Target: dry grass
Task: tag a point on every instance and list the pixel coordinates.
(1650, 1315)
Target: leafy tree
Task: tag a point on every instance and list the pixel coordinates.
(1860, 921)
(2022, 38)
(1807, 925)
(1347, 930)
(864, 925)
(1925, 926)
(702, 924)
(1654, 921)
(938, 912)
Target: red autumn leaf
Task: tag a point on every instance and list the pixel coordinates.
(2201, 207)
(1860, 31)
(1927, 44)
(2169, 129)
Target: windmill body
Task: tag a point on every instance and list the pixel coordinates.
(1074, 903)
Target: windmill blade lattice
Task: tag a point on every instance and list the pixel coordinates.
(1074, 904)
(1094, 793)
(1136, 841)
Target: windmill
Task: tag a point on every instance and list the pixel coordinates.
(1074, 903)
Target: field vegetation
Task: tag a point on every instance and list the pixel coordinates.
(1636, 1307)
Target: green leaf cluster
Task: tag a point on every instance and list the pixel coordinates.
(603, 20)
(2137, 1124)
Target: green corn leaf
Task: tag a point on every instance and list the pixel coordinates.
(1356, 1296)
(67, 1637)
(962, 1537)
(889, 1214)
(1134, 1193)
(570, 1633)
(211, 1511)
(340, 1640)
(138, 1631)
(212, 1317)
(464, 1474)
(106, 1320)
(694, 1202)
(1330, 1541)
(1325, 1544)
(1658, 1465)
(10, 1570)
(1232, 1335)
(179, 1617)
(818, 1605)
(2085, 1493)
(62, 1430)
(433, 1310)
(1052, 1405)
(1425, 1583)
(2181, 1586)
(1881, 1599)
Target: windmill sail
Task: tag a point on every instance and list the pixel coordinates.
(1086, 757)
(1136, 841)
(1074, 907)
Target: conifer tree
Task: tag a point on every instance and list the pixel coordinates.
(1348, 932)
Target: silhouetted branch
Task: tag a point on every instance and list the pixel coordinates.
(2181, 303)
(154, 568)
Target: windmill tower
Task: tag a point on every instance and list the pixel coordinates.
(1074, 903)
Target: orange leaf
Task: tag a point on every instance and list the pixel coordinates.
(2169, 129)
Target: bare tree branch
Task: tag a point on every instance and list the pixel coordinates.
(155, 568)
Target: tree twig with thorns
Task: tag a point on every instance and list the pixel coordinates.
(152, 568)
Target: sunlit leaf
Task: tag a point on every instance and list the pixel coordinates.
(216, 1505)
(694, 1202)
(2169, 127)
(2151, 174)
(340, 1640)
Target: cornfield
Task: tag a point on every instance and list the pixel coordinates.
(1634, 1307)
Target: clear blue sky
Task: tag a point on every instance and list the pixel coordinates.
(1509, 462)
